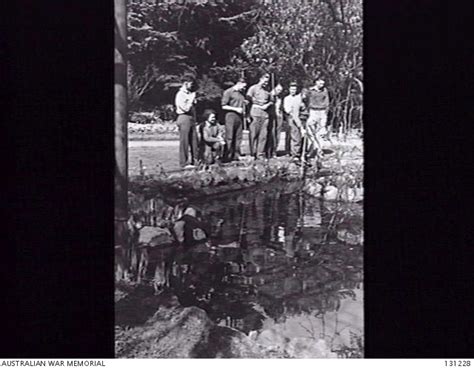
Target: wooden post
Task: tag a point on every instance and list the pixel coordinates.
(121, 118)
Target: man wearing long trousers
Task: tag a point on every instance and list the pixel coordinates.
(276, 121)
(185, 108)
(292, 105)
(233, 103)
(318, 103)
(258, 130)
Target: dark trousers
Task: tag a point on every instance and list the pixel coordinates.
(258, 131)
(211, 151)
(233, 135)
(275, 128)
(295, 137)
(187, 139)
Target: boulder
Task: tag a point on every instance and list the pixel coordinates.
(171, 331)
(330, 193)
(350, 238)
(155, 236)
(308, 348)
(313, 189)
(225, 342)
(272, 339)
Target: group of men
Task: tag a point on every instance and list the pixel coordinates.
(209, 141)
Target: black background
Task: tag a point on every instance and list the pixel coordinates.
(58, 111)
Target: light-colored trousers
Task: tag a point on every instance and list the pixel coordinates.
(316, 127)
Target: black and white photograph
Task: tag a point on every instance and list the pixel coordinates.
(239, 179)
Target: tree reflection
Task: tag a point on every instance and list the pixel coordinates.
(278, 260)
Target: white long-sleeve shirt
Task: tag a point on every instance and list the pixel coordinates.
(184, 101)
(292, 105)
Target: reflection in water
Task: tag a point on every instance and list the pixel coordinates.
(277, 266)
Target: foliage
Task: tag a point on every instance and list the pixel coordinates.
(320, 37)
(218, 41)
(355, 350)
(167, 40)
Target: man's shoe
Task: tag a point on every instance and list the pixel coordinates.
(189, 166)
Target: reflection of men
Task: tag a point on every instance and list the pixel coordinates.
(184, 101)
(190, 230)
(233, 102)
(292, 215)
(318, 103)
(292, 105)
(276, 121)
(261, 101)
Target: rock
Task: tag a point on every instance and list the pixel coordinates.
(171, 333)
(309, 348)
(313, 189)
(232, 245)
(155, 236)
(225, 342)
(271, 339)
(330, 193)
(359, 194)
(350, 238)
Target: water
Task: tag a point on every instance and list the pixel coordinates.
(284, 266)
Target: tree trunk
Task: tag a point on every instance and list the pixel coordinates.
(346, 107)
(121, 162)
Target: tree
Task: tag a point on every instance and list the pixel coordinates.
(121, 165)
(317, 37)
(169, 39)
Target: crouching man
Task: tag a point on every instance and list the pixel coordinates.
(212, 138)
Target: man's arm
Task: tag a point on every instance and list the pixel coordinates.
(296, 114)
(184, 102)
(250, 94)
(225, 101)
(207, 136)
(178, 230)
(326, 99)
(286, 105)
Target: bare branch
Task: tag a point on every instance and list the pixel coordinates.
(238, 16)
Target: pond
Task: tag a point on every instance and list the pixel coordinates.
(284, 265)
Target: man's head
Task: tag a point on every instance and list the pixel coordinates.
(293, 88)
(189, 82)
(319, 83)
(278, 89)
(191, 212)
(240, 84)
(210, 115)
(264, 79)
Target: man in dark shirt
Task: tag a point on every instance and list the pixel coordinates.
(276, 121)
(233, 103)
(318, 103)
(212, 138)
(261, 102)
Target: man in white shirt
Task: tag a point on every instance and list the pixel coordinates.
(292, 106)
(185, 101)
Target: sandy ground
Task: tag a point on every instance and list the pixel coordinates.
(153, 153)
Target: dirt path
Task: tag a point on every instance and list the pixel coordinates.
(152, 153)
